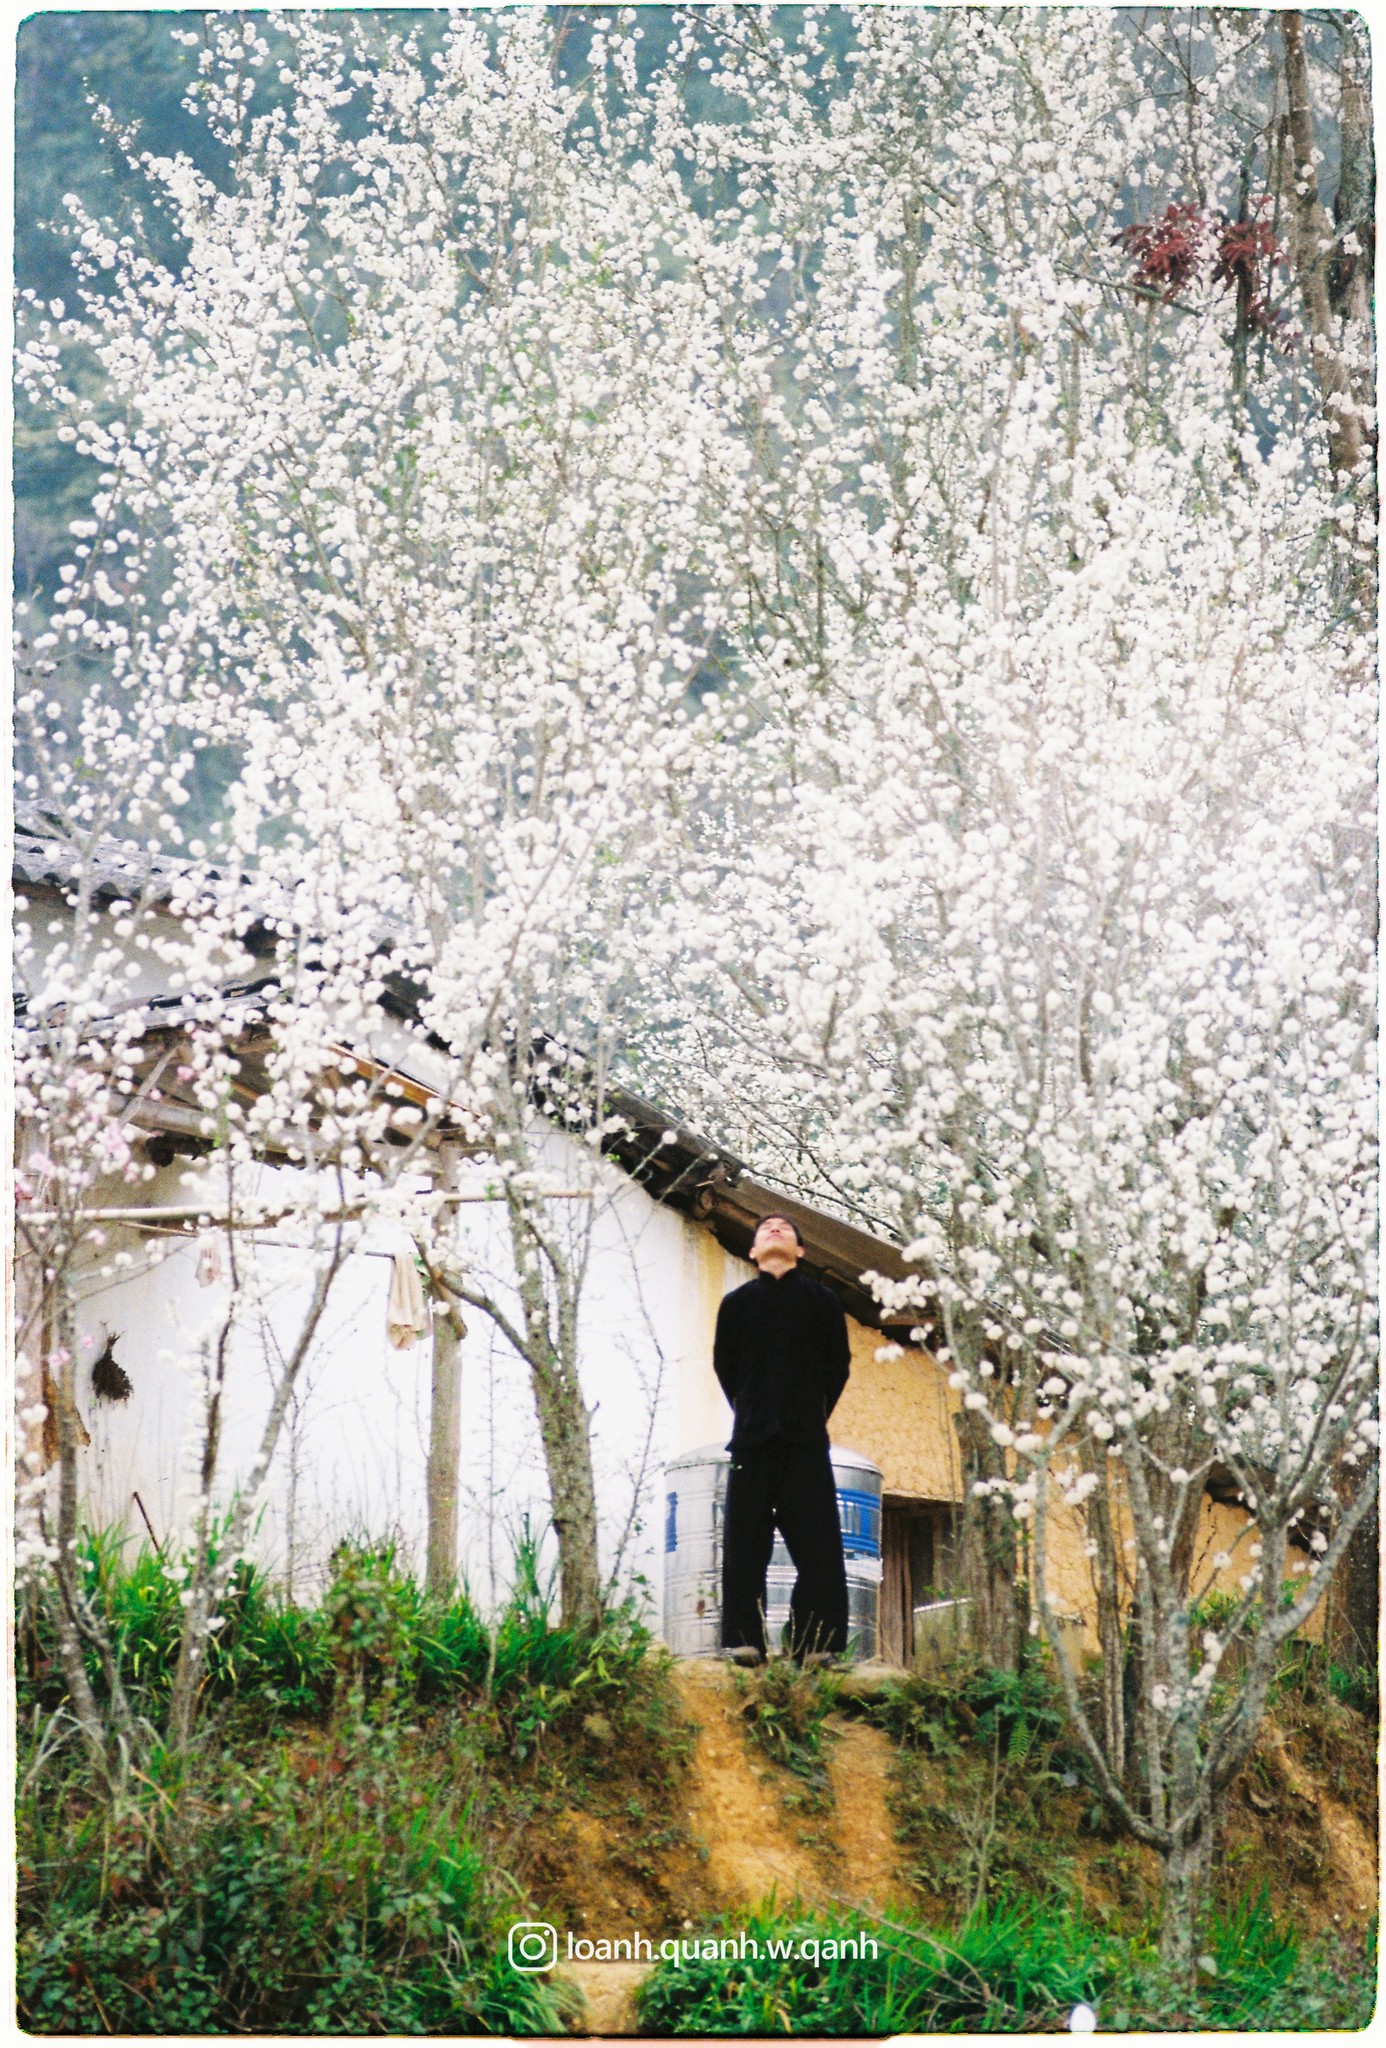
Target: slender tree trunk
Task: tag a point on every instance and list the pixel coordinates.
(1186, 1867)
(1354, 203)
(74, 1668)
(444, 1451)
(1313, 239)
(549, 1273)
(565, 1431)
(210, 1578)
(1106, 1577)
(1351, 1629)
(565, 1424)
(76, 1623)
(988, 1548)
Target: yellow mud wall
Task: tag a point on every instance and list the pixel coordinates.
(1224, 1531)
(1228, 1532)
(898, 1408)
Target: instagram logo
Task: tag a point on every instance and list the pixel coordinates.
(533, 1945)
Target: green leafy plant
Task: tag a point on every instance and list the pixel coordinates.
(543, 1675)
(330, 1875)
(785, 1710)
(376, 1628)
(973, 1704)
(988, 1833)
(1004, 1971)
(369, 1608)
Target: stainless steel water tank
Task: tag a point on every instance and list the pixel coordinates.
(695, 1493)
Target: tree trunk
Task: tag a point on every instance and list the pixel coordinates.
(1106, 1577)
(1186, 1867)
(1352, 1618)
(1354, 203)
(209, 1580)
(988, 1548)
(565, 1426)
(550, 1285)
(1313, 240)
(444, 1451)
(565, 1430)
(70, 1656)
(75, 1623)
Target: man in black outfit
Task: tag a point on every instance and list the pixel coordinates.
(782, 1356)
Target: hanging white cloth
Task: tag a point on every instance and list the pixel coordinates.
(407, 1316)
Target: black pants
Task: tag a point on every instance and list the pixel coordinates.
(789, 1487)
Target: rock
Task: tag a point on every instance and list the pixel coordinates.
(608, 1994)
(868, 1681)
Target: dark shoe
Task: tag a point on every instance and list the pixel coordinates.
(745, 1654)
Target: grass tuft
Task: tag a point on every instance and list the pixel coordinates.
(785, 1710)
(335, 1854)
(1009, 1968)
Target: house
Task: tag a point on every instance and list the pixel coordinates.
(669, 1227)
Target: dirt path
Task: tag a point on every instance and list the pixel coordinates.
(751, 1847)
(752, 1838)
(608, 1992)
(859, 1767)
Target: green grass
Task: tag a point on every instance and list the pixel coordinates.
(347, 1841)
(1008, 1968)
(987, 1786)
(1002, 1971)
(971, 1704)
(333, 1854)
(376, 1630)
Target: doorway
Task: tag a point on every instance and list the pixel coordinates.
(919, 1564)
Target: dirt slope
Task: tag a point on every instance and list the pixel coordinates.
(859, 1768)
(752, 1847)
(750, 1840)
(737, 1816)
(1349, 1883)
(753, 1839)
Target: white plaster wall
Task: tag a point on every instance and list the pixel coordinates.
(352, 1456)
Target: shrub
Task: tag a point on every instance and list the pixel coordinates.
(543, 1675)
(368, 1609)
(338, 1884)
(375, 1628)
(328, 1878)
(973, 1704)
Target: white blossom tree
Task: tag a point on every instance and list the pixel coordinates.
(1039, 927)
(417, 436)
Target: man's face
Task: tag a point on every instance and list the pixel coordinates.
(775, 1239)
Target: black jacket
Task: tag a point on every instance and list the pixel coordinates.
(782, 1356)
